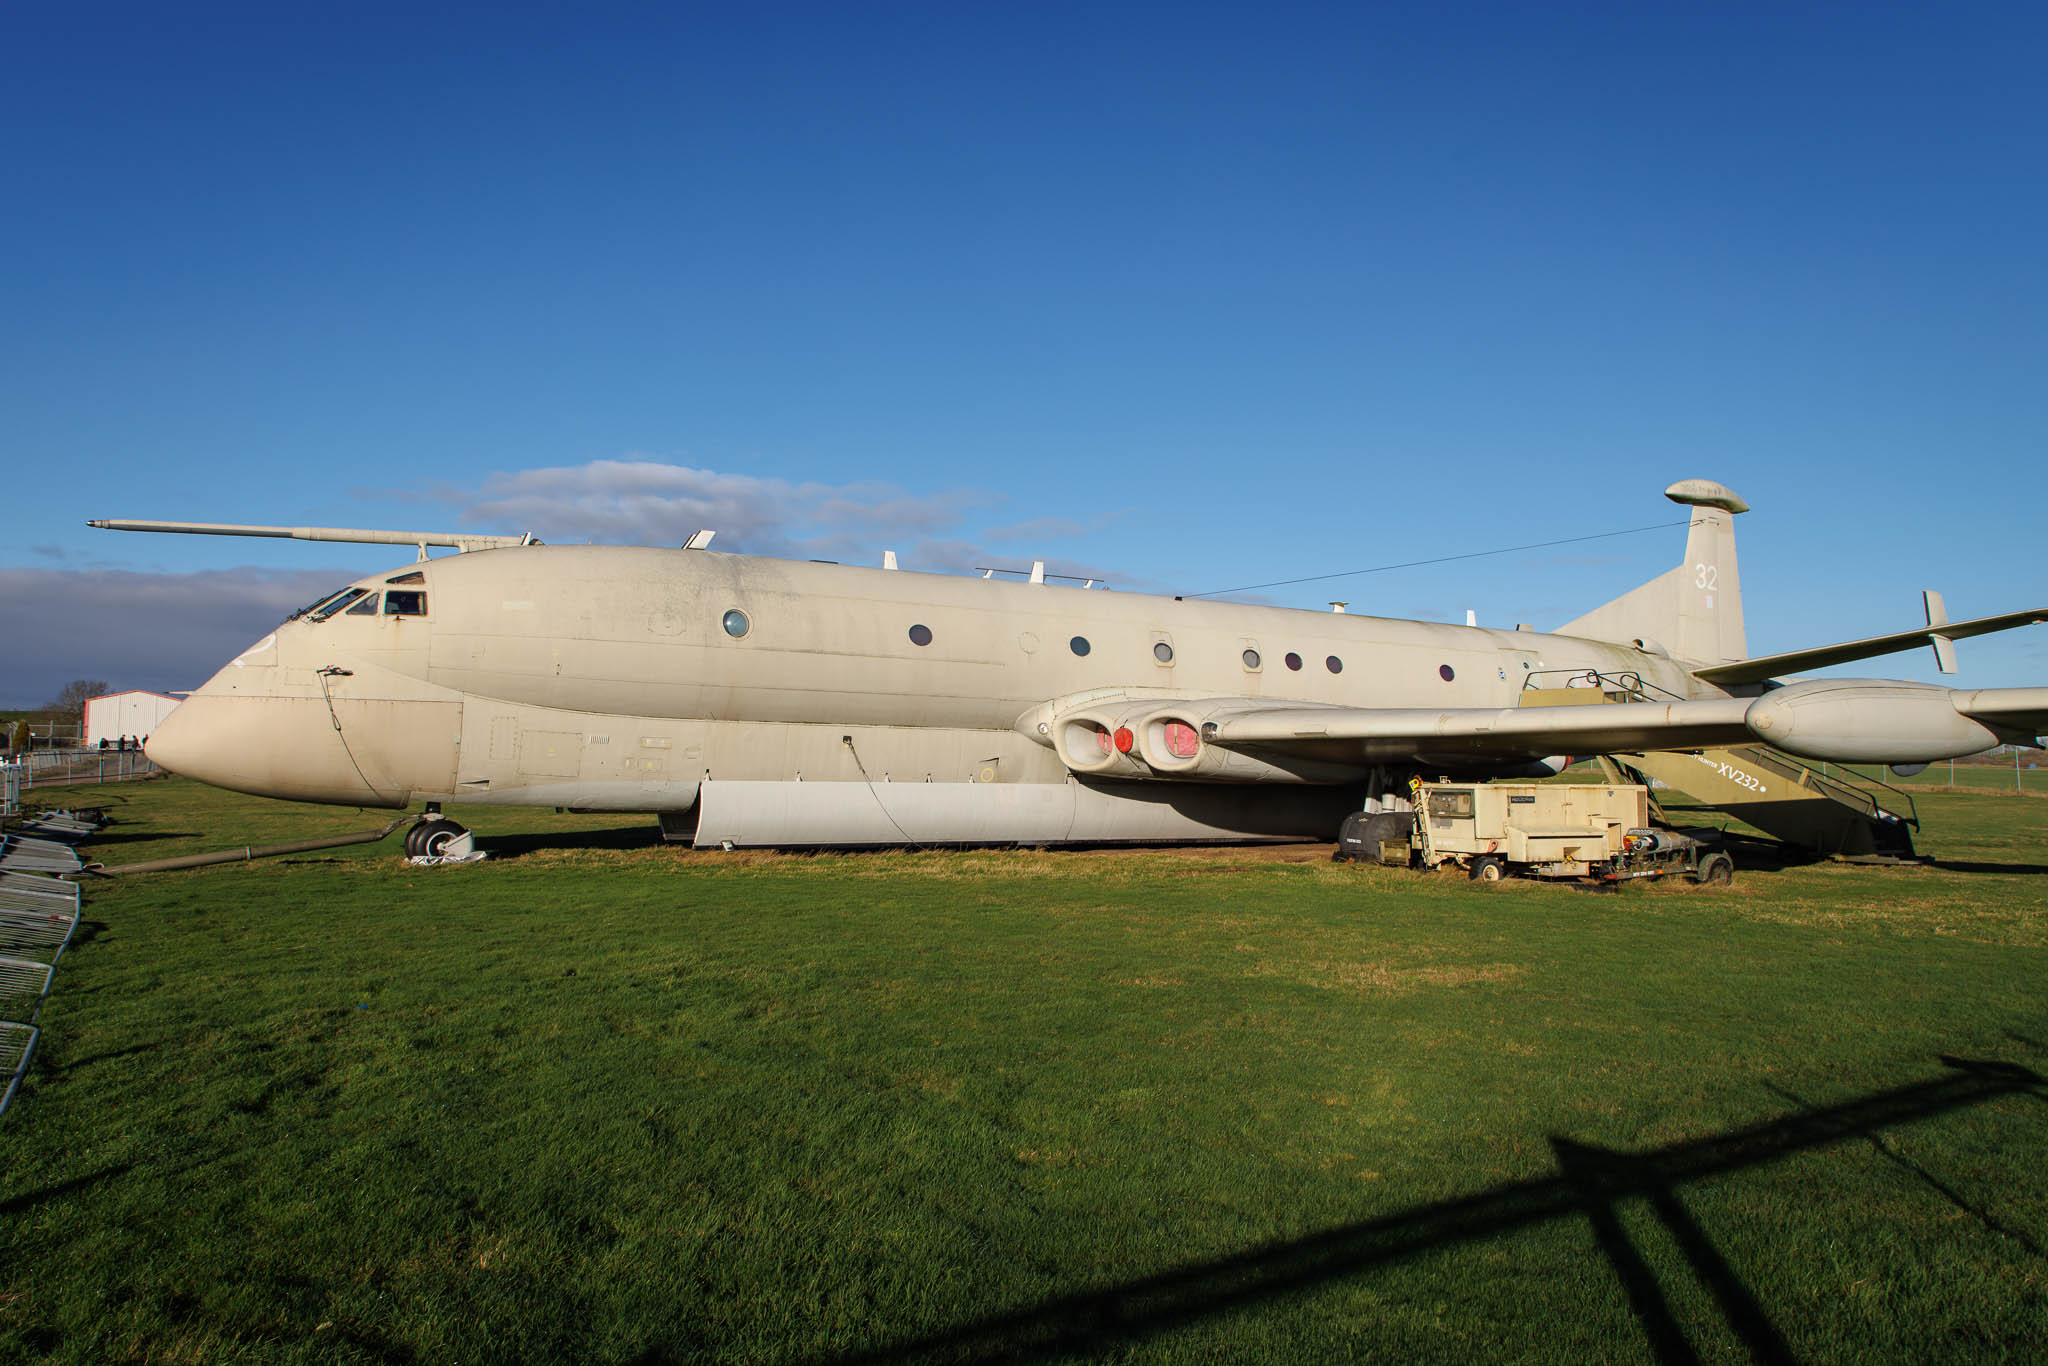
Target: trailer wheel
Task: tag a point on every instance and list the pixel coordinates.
(1487, 868)
(1715, 870)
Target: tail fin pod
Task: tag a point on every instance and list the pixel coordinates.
(1695, 610)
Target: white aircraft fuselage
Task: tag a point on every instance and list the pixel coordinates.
(764, 701)
(606, 678)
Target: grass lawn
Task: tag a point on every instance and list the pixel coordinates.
(603, 1100)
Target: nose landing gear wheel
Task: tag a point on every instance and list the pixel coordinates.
(431, 839)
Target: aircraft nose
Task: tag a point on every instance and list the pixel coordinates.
(177, 742)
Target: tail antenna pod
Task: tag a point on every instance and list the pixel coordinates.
(1707, 494)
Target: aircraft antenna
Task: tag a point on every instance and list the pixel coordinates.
(1440, 559)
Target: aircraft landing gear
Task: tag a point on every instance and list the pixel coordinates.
(436, 837)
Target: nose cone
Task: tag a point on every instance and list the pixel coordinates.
(179, 742)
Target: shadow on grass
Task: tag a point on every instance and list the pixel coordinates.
(137, 837)
(133, 1050)
(502, 847)
(1949, 865)
(1590, 1183)
(28, 1200)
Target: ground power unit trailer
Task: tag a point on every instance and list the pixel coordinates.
(1546, 830)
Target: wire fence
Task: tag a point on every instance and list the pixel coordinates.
(68, 767)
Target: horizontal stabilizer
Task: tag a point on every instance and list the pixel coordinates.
(1765, 667)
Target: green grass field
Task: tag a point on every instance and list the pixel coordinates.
(603, 1100)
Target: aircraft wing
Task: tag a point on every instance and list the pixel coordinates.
(2012, 709)
(1250, 739)
(1372, 734)
(1820, 657)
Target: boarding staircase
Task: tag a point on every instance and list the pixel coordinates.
(1841, 815)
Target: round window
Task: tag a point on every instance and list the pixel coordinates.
(1251, 659)
(920, 635)
(1162, 652)
(1336, 664)
(735, 623)
(1446, 672)
(1079, 645)
(1293, 661)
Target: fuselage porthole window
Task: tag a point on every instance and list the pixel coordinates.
(1162, 652)
(1335, 664)
(405, 602)
(920, 635)
(1079, 645)
(1251, 661)
(365, 608)
(1294, 661)
(736, 623)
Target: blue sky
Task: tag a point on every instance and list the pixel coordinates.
(1188, 296)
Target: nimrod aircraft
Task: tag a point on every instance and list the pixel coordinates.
(752, 701)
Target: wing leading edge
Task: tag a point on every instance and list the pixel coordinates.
(1504, 733)
(1247, 739)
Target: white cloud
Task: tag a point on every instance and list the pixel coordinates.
(647, 502)
(638, 501)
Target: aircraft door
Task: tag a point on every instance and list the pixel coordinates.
(489, 748)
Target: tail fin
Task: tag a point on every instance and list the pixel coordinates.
(1695, 610)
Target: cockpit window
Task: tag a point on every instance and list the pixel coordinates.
(413, 577)
(366, 608)
(400, 602)
(337, 602)
(317, 605)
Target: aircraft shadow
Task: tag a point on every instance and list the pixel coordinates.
(1973, 866)
(501, 847)
(1590, 1183)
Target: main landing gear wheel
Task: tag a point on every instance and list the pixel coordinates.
(1487, 868)
(1363, 838)
(430, 839)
